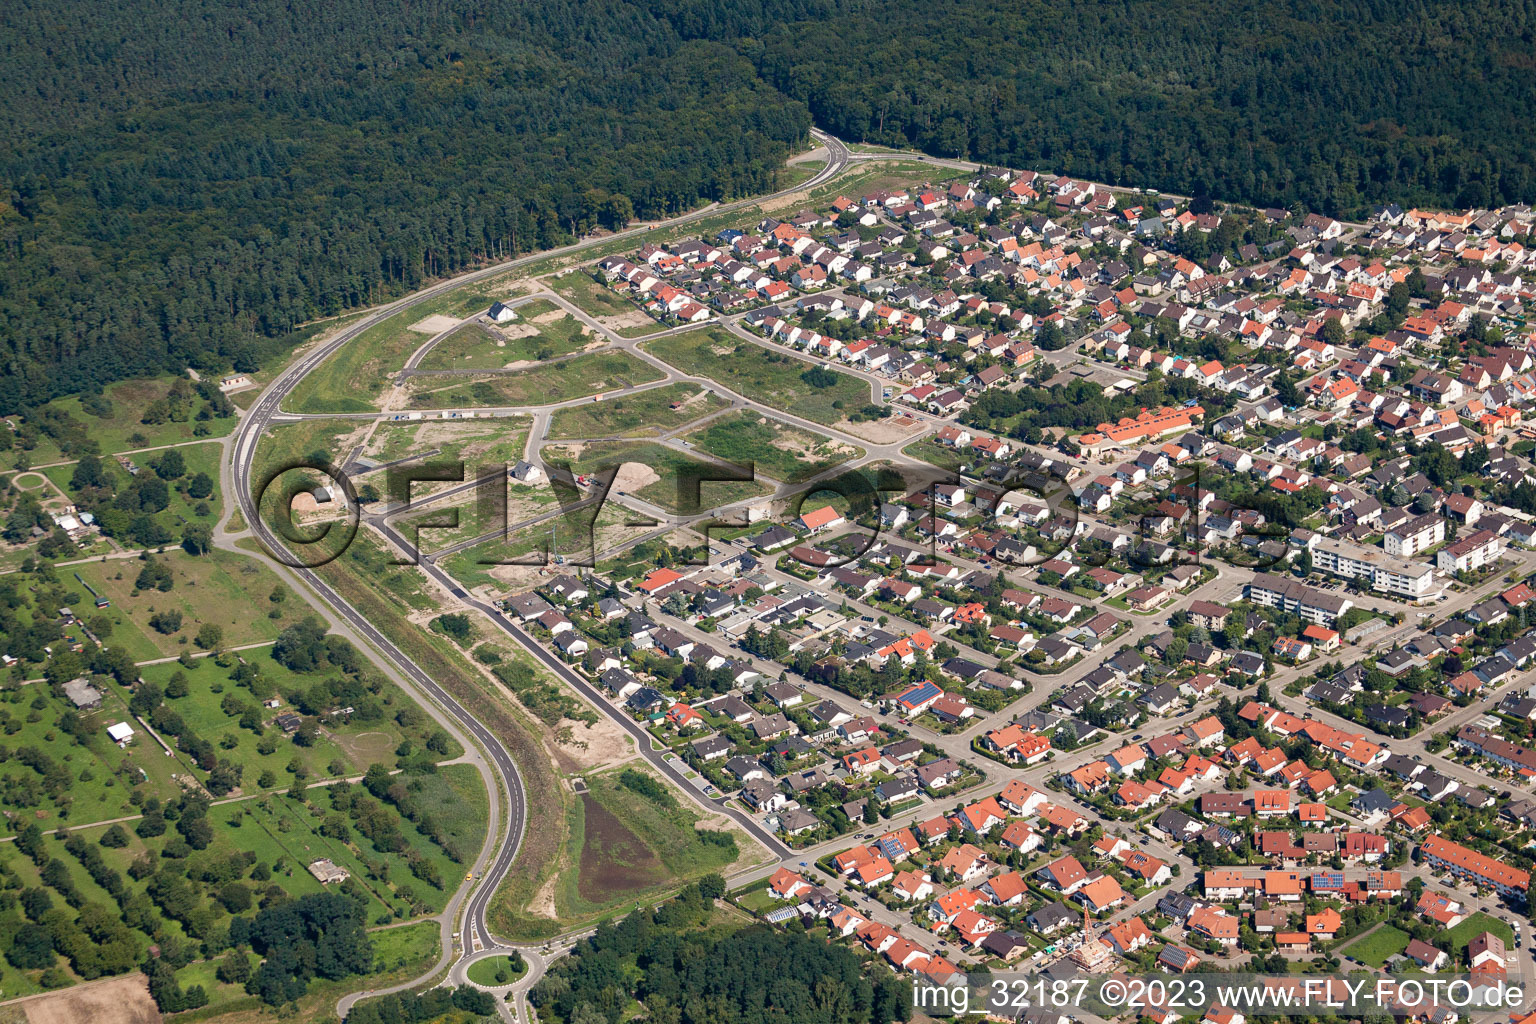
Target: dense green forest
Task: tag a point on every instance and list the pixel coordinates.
(1328, 103)
(185, 183)
(682, 973)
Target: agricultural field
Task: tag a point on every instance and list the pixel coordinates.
(657, 473)
(562, 381)
(774, 378)
(219, 589)
(649, 413)
(542, 331)
(352, 379)
(153, 504)
(779, 450)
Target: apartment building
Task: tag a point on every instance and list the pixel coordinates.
(1415, 536)
(1380, 569)
(1311, 604)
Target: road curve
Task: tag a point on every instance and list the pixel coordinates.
(242, 454)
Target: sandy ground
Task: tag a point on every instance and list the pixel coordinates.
(118, 1001)
(434, 324)
(594, 746)
(515, 576)
(881, 431)
(619, 321)
(543, 902)
(633, 476)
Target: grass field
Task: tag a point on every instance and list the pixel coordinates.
(647, 413)
(1474, 926)
(930, 451)
(1381, 944)
(578, 536)
(286, 443)
(475, 443)
(590, 374)
(590, 296)
(773, 378)
(352, 379)
(673, 471)
(220, 587)
(405, 945)
(495, 970)
(123, 429)
(199, 458)
(781, 451)
(541, 332)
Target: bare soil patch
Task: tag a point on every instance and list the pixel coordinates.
(582, 747)
(434, 324)
(619, 321)
(614, 861)
(884, 431)
(633, 476)
(543, 902)
(119, 1001)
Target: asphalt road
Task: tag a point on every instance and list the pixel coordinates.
(267, 409)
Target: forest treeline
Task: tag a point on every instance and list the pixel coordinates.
(1332, 104)
(185, 183)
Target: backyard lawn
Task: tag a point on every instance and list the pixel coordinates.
(1378, 946)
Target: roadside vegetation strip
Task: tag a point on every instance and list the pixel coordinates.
(776, 379)
(578, 536)
(353, 378)
(544, 801)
